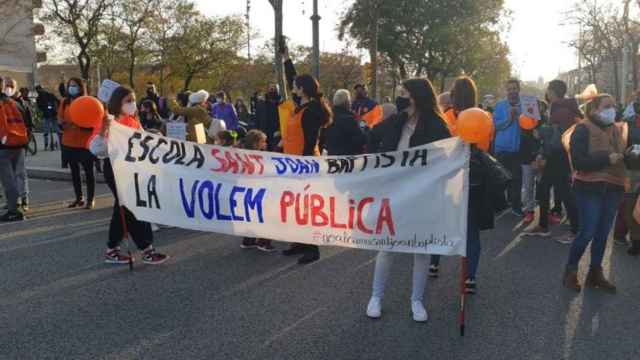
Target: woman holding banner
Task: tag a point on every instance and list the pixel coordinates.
(312, 113)
(418, 122)
(122, 106)
(464, 95)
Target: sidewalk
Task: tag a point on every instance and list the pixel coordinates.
(48, 164)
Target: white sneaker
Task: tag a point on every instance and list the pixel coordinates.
(419, 312)
(374, 309)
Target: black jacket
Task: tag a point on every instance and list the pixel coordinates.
(481, 204)
(385, 136)
(47, 104)
(344, 136)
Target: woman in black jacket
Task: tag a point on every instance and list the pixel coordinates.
(344, 136)
(303, 132)
(418, 122)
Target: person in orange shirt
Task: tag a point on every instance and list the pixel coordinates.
(74, 146)
(122, 106)
(302, 133)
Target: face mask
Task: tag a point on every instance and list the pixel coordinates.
(607, 116)
(129, 108)
(219, 100)
(73, 90)
(402, 103)
(9, 91)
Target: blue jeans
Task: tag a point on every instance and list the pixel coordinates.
(596, 212)
(473, 249)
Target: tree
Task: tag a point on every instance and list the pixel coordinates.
(135, 17)
(77, 21)
(109, 44)
(202, 44)
(436, 38)
(162, 27)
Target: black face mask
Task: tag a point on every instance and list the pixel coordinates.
(402, 103)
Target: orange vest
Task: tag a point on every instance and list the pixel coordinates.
(13, 131)
(72, 136)
(293, 140)
(612, 139)
(373, 117)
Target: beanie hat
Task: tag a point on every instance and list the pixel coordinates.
(198, 97)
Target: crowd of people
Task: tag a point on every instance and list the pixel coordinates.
(580, 153)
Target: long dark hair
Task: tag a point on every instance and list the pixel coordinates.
(311, 88)
(424, 96)
(83, 90)
(151, 105)
(115, 103)
(464, 94)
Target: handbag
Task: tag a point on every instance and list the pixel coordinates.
(498, 176)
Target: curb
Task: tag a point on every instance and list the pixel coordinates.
(55, 174)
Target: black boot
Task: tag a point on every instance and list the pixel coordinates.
(294, 249)
(311, 254)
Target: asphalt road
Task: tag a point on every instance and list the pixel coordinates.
(213, 300)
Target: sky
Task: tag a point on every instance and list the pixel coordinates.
(537, 39)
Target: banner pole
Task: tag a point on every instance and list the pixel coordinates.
(463, 275)
(125, 236)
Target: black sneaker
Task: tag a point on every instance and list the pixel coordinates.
(151, 257)
(294, 249)
(308, 258)
(25, 205)
(12, 216)
(433, 271)
(248, 243)
(470, 286)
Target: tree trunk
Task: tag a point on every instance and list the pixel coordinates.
(187, 81)
(277, 8)
(373, 49)
(132, 69)
(616, 80)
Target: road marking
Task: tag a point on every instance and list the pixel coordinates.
(56, 240)
(291, 327)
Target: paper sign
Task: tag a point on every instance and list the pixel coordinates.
(201, 135)
(106, 89)
(177, 130)
(530, 106)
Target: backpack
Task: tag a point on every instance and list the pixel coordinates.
(13, 131)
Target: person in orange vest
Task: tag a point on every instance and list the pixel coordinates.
(302, 134)
(74, 151)
(122, 105)
(13, 138)
(597, 146)
(366, 109)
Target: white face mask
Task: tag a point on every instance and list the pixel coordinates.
(607, 116)
(9, 91)
(129, 108)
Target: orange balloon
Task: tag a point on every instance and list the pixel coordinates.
(527, 123)
(474, 126)
(86, 112)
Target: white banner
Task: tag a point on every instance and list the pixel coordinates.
(412, 201)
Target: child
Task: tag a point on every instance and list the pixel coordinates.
(256, 140)
(225, 138)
